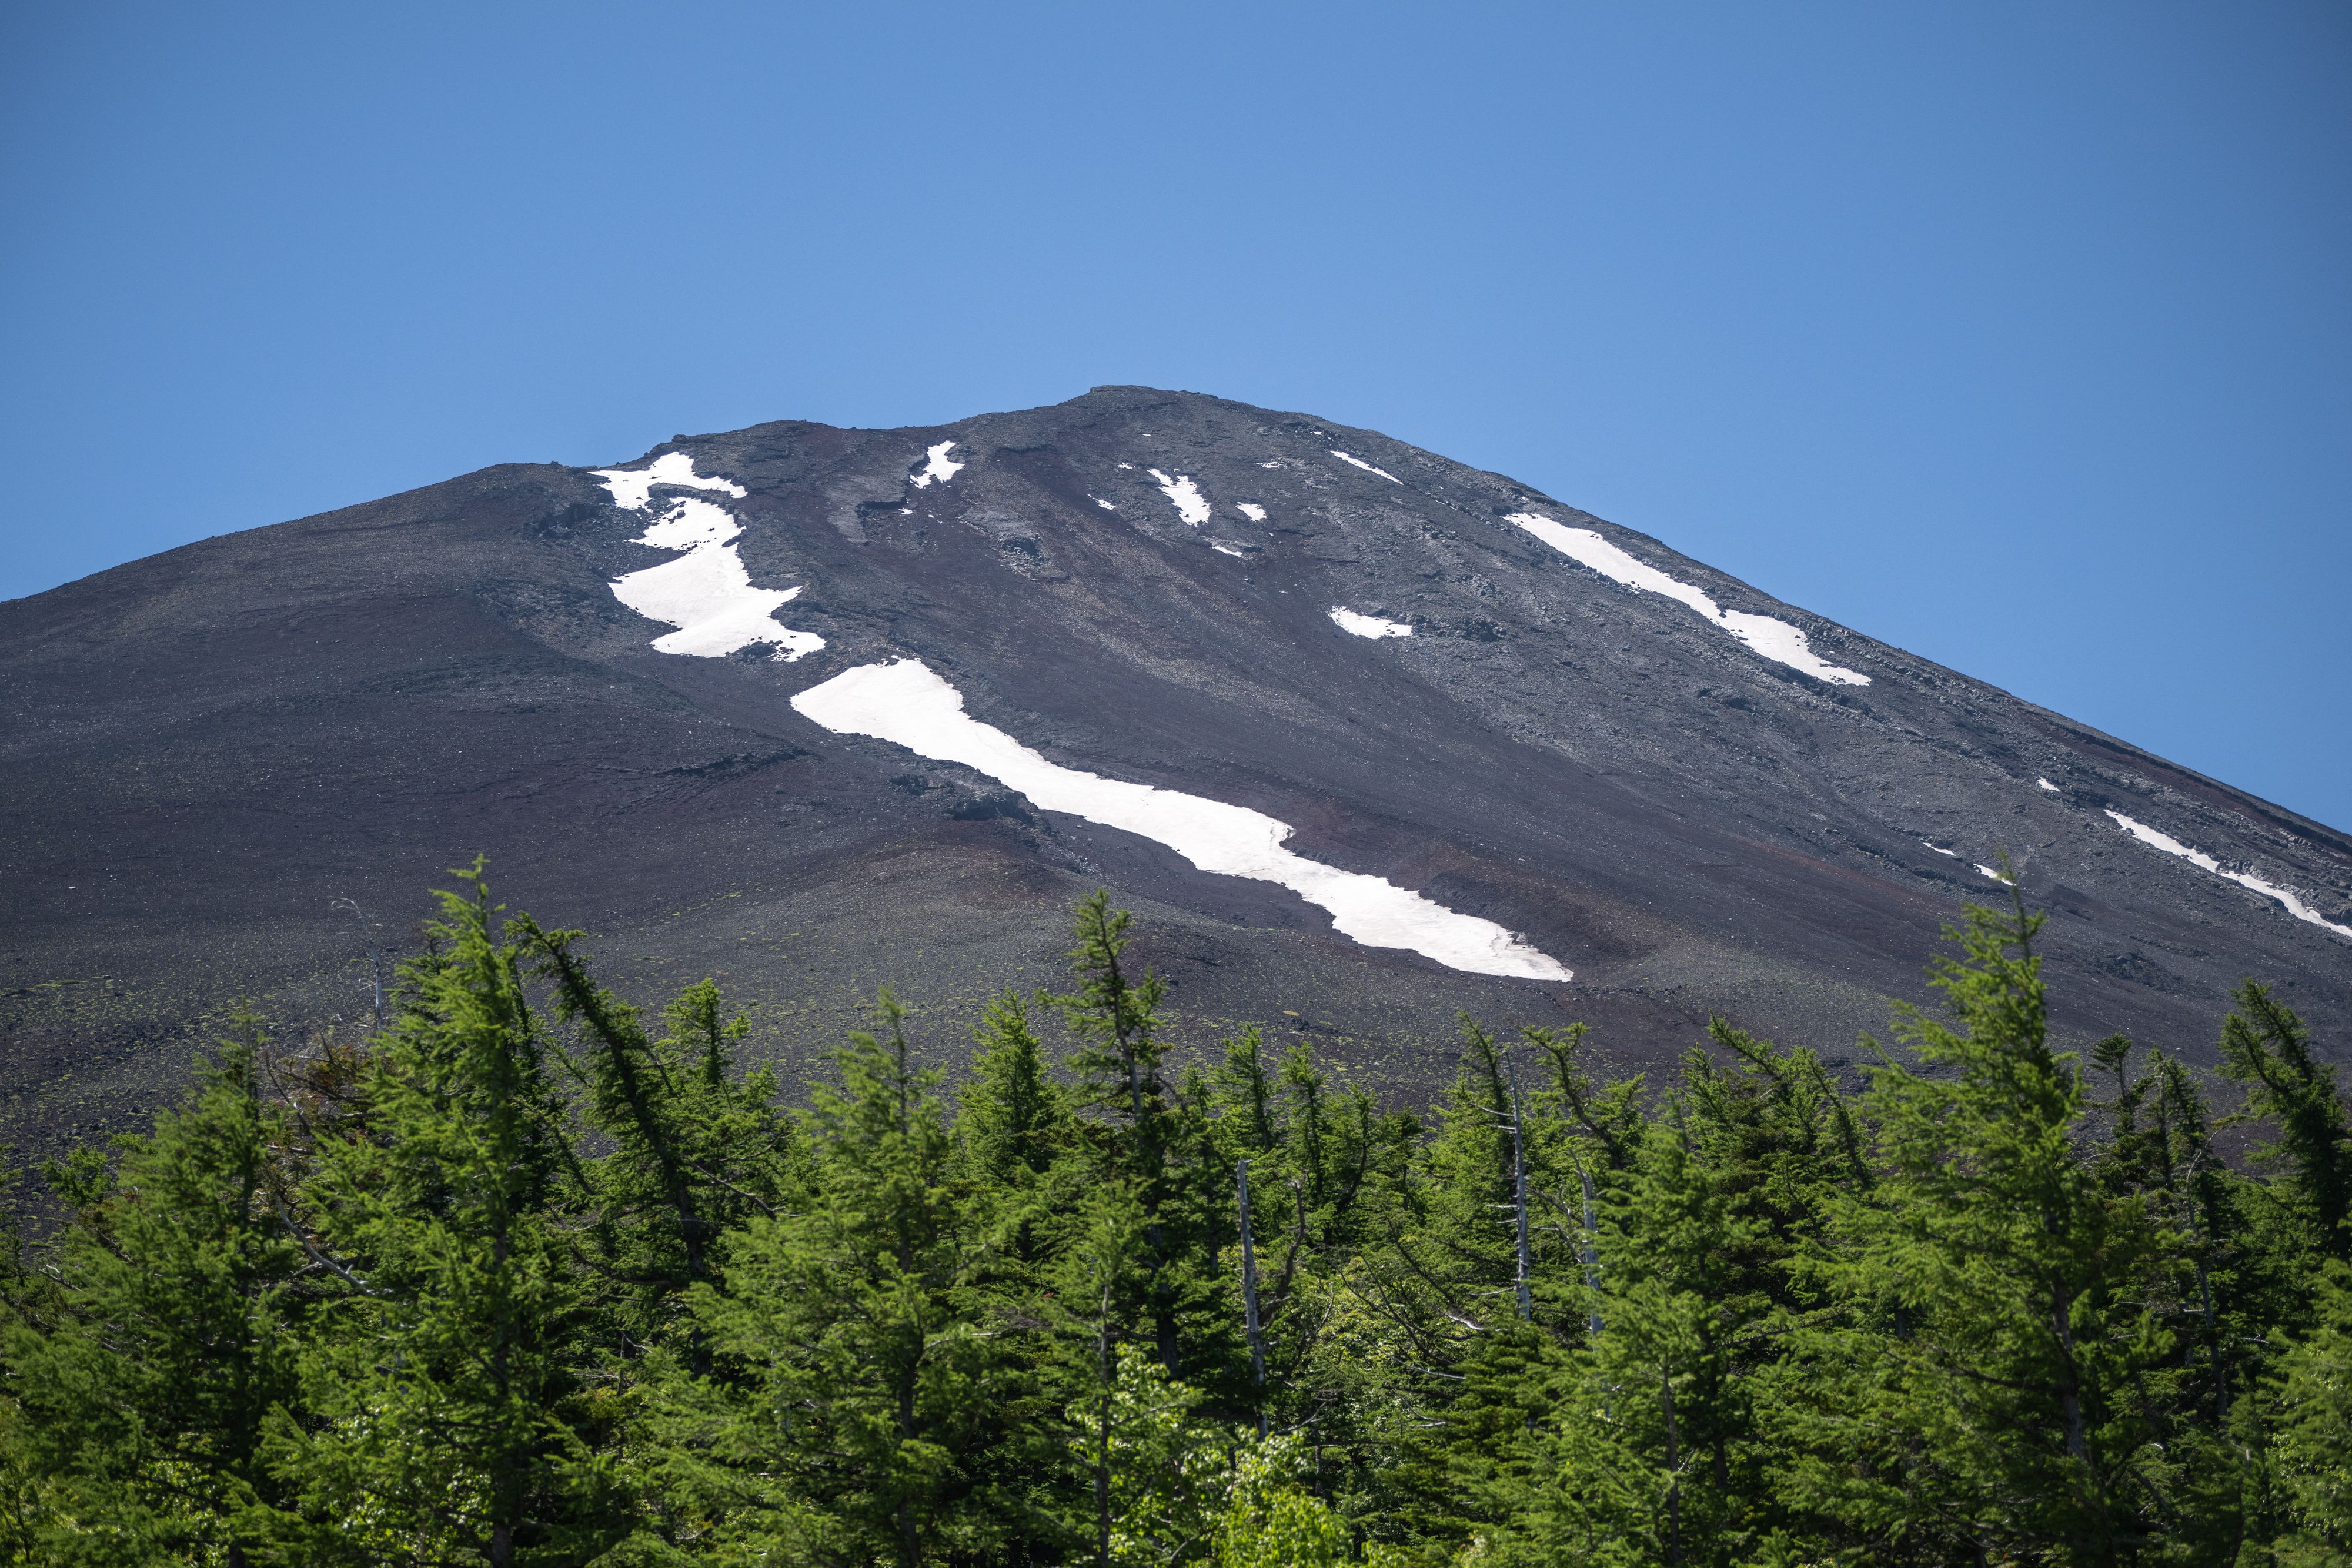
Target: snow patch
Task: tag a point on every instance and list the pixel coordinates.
(633, 487)
(906, 703)
(1366, 466)
(1987, 871)
(1191, 505)
(939, 467)
(1250, 509)
(1106, 505)
(1775, 639)
(706, 593)
(2203, 862)
(1947, 854)
(1229, 549)
(1367, 625)
(2046, 784)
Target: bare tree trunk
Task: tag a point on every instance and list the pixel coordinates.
(1102, 1441)
(1673, 1468)
(376, 950)
(1591, 1261)
(1249, 1293)
(2070, 1397)
(1519, 1205)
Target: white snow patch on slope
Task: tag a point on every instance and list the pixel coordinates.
(1229, 549)
(633, 487)
(906, 702)
(938, 466)
(1191, 505)
(1775, 639)
(2203, 862)
(1947, 854)
(1106, 505)
(1987, 871)
(1367, 625)
(1366, 466)
(1250, 509)
(2046, 784)
(706, 593)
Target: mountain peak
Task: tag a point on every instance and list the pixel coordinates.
(1369, 735)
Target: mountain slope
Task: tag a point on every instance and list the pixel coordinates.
(1553, 740)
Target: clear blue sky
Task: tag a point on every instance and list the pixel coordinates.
(2016, 335)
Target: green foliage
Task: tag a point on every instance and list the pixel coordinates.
(2265, 1046)
(1996, 1347)
(2314, 1430)
(1015, 1115)
(1185, 1488)
(144, 1367)
(861, 1406)
(447, 1386)
(525, 1278)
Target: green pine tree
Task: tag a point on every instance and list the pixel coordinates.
(453, 1412)
(692, 1156)
(143, 1376)
(2313, 1427)
(2265, 1046)
(1984, 1390)
(857, 1405)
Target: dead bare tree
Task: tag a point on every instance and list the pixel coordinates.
(368, 929)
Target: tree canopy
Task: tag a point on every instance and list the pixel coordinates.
(532, 1274)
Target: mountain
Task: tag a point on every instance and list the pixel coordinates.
(1365, 737)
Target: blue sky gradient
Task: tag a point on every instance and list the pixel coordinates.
(2016, 335)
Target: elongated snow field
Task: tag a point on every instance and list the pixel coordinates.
(906, 702)
(2295, 907)
(706, 593)
(1179, 490)
(1775, 639)
(1367, 467)
(1363, 625)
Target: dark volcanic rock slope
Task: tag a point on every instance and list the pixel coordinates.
(1691, 796)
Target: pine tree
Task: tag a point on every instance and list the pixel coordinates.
(859, 1405)
(1107, 1255)
(2313, 1424)
(377, 1303)
(1247, 1096)
(1446, 1281)
(453, 1412)
(1651, 1445)
(692, 1156)
(1984, 1389)
(1014, 1117)
(144, 1373)
(1118, 1059)
(2266, 1046)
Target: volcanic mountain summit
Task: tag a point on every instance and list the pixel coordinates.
(1364, 736)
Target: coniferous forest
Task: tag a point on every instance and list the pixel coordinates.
(532, 1275)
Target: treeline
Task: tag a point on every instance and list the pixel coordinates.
(529, 1277)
